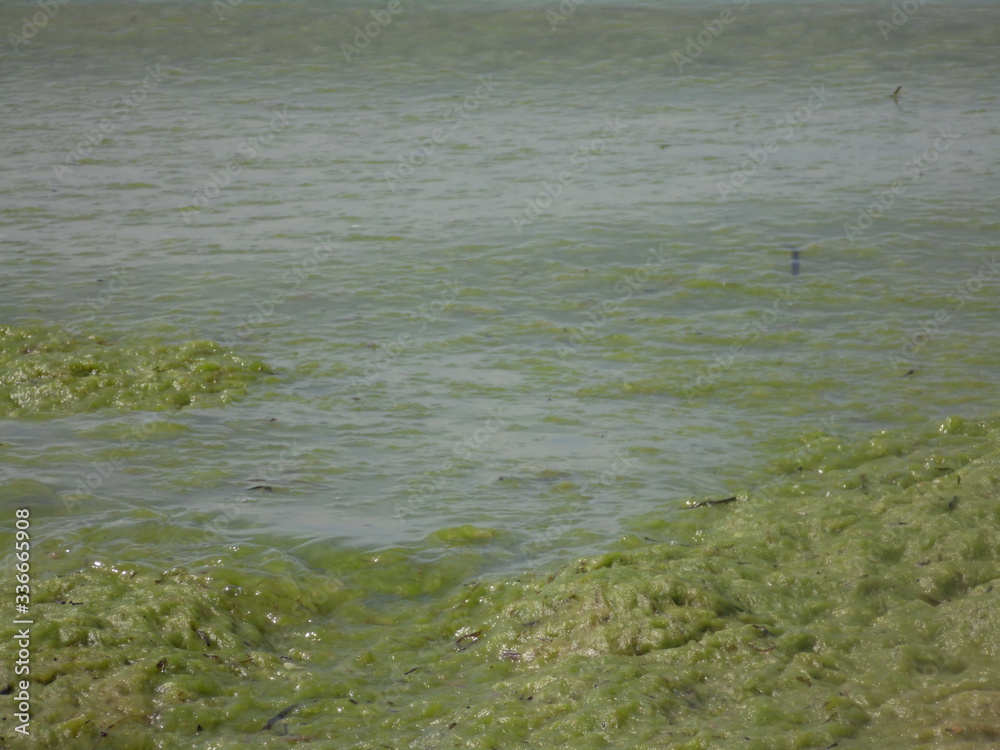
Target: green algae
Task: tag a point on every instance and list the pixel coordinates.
(805, 616)
(47, 371)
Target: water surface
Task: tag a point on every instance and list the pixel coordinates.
(525, 276)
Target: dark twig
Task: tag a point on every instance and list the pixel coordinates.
(703, 503)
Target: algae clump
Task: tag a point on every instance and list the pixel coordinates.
(851, 617)
(49, 372)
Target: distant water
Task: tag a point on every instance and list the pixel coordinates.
(516, 266)
(545, 269)
(577, 225)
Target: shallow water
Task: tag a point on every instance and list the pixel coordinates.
(500, 270)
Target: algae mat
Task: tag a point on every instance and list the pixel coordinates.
(47, 371)
(852, 604)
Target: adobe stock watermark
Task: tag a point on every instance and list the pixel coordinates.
(232, 509)
(566, 9)
(580, 160)
(456, 116)
(931, 326)
(620, 465)
(384, 355)
(597, 318)
(265, 308)
(103, 470)
(802, 456)
(219, 179)
(912, 171)
(901, 13)
(31, 26)
(22, 639)
(363, 36)
(758, 155)
(121, 109)
(461, 450)
(713, 30)
(224, 8)
(95, 305)
(750, 333)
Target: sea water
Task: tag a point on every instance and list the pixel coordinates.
(361, 363)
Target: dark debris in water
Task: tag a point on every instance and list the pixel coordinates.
(279, 716)
(704, 503)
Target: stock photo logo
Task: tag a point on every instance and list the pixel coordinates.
(931, 326)
(787, 126)
(714, 28)
(455, 117)
(249, 148)
(292, 278)
(597, 317)
(463, 449)
(566, 9)
(901, 13)
(551, 190)
(386, 354)
(750, 334)
(913, 170)
(116, 283)
(364, 35)
(48, 10)
(121, 109)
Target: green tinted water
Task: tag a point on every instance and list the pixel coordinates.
(450, 509)
(793, 618)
